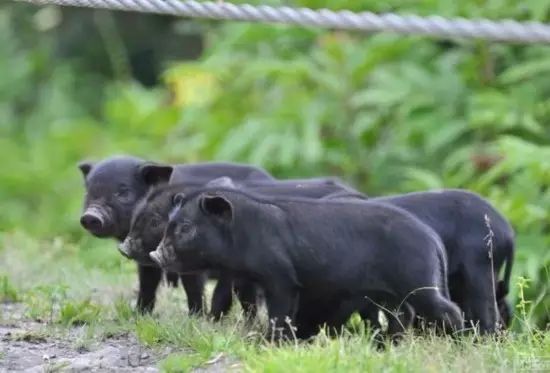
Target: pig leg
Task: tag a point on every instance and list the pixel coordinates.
(149, 280)
(480, 298)
(194, 288)
(505, 313)
(457, 291)
(398, 320)
(246, 291)
(172, 279)
(222, 297)
(431, 305)
(308, 318)
(281, 307)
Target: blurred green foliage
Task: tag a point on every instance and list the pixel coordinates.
(387, 113)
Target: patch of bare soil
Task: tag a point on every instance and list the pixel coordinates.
(24, 346)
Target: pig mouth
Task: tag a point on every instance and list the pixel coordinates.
(164, 256)
(126, 248)
(132, 248)
(156, 256)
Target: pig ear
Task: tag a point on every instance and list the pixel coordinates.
(217, 206)
(223, 181)
(85, 167)
(154, 174)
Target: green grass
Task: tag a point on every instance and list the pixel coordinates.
(77, 313)
(7, 291)
(181, 362)
(56, 285)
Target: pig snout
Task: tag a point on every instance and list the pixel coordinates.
(157, 257)
(163, 256)
(125, 248)
(94, 221)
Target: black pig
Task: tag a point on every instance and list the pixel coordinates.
(148, 224)
(196, 175)
(114, 187)
(317, 250)
(457, 216)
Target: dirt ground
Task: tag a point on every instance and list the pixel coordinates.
(24, 346)
(29, 346)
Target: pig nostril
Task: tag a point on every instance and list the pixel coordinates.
(91, 222)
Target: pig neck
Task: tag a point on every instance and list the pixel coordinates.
(270, 243)
(121, 236)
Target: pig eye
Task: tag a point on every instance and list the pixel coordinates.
(123, 191)
(185, 227)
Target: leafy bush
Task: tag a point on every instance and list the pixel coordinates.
(387, 113)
